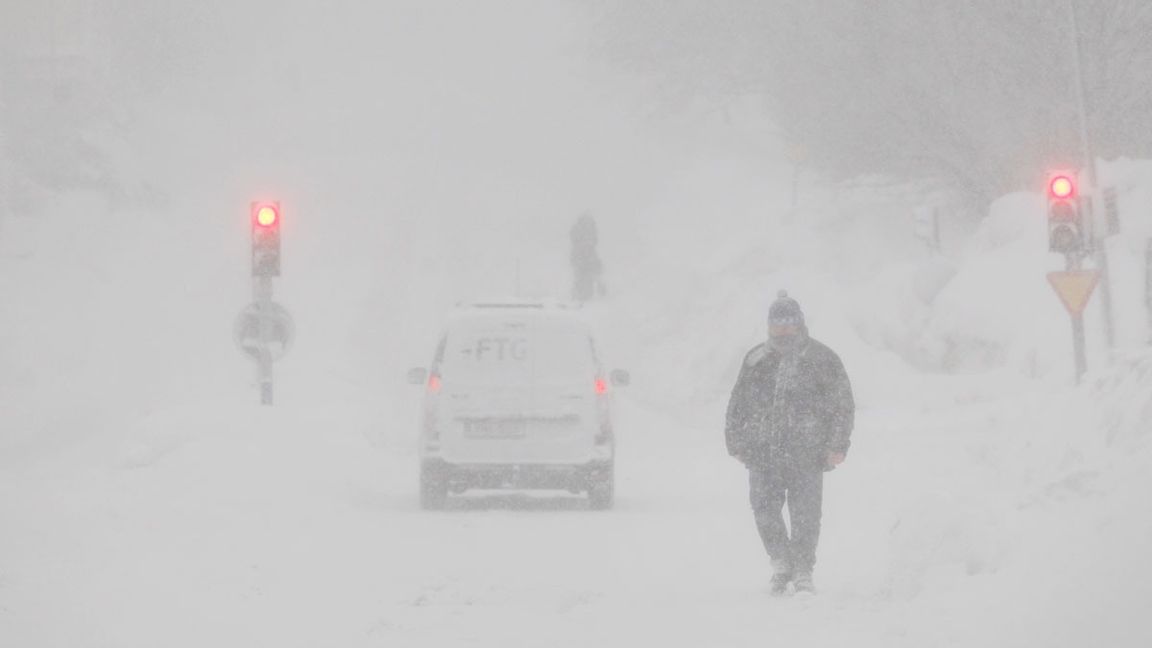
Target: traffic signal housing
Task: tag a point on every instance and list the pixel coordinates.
(266, 219)
(1065, 222)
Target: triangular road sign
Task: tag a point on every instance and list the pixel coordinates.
(1074, 288)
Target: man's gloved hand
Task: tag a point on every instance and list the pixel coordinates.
(834, 459)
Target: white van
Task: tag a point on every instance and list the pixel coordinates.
(516, 398)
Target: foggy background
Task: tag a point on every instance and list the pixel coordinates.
(428, 153)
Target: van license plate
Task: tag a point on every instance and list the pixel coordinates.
(495, 428)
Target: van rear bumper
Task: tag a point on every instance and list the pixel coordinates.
(570, 477)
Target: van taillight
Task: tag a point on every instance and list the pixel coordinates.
(431, 429)
(605, 435)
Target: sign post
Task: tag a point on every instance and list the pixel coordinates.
(1074, 288)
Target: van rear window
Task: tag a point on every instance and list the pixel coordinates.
(517, 354)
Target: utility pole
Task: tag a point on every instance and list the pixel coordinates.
(1099, 250)
(1148, 285)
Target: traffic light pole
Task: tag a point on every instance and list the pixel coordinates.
(1080, 356)
(1099, 251)
(1079, 348)
(262, 296)
(266, 219)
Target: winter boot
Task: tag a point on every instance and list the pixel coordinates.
(781, 576)
(803, 582)
(779, 584)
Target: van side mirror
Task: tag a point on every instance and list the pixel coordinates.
(417, 376)
(621, 378)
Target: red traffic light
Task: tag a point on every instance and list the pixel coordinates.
(266, 215)
(265, 238)
(1061, 187)
(1065, 224)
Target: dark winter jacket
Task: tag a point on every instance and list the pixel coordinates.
(797, 421)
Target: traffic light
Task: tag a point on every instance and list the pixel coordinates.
(1065, 224)
(265, 239)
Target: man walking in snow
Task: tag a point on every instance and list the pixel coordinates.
(789, 420)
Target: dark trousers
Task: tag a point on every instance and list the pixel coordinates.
(803, 490)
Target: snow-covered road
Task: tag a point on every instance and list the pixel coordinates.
(288, 528)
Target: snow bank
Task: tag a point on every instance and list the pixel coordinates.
(992, 306)
(1125, 397)
(992, 303)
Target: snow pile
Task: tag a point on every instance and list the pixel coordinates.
(1018, 503)
(1000, 311)
(939, 541)
(1128, 252)
(998, 297)
(1125, 397)
(989, 304)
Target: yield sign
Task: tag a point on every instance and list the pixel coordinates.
(1074, 288)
